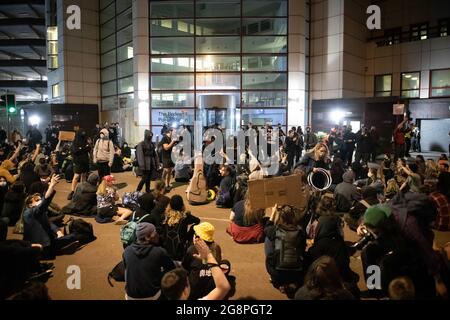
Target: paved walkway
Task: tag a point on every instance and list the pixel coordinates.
(98, 258)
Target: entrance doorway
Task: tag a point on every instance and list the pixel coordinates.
(216, 116)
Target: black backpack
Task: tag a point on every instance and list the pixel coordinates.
(83, 230)
(287, 254)
(173, 243)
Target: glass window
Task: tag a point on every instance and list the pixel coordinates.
(109, 103)
(124, 19)
(218, 63)
(383, 85)
(53, 62)
(216, 81)
(172, 45)
(124, 36)
(410, 85)
(173, 117)
(265, 8)
(168, 27)
(211, 27)
(52, 47)
(224, 8)
(172, 82)
(126, 101)
(107, 13)
(55, 90)
(122, 5)
(218, 44)
(419, 32)
(264, 63)
(264, 99)
(444, 25)
(125, 52)
(109, 88)
(126, 85)
(107, 29)
(265, 26)
(172, 100)
(109, 73)
(108, 59)
(264, 81)
(172, 64)
(264, 44)
(105, 3)
(393, 36)
(167, 9)
(125, 68)
(261, 117)
(440, 83)
(108, 43)
(52, 33)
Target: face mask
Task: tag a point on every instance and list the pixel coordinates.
(3, 184)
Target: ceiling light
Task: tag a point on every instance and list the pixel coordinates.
(414, 78)
(407, 76)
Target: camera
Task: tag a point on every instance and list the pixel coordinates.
(365, 239)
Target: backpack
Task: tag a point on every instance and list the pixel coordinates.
(130, 199)
(287, 255)
(342, 203)
(128, 231)
(196, 192)
(82, 229)
(173, 243)
(117, 273)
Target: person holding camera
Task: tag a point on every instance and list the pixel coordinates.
(167, 144)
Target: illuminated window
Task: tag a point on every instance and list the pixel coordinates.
(440, 83)
(55, 90)
(383, 85)
(419, 32)
(410, 85)
(52, 47)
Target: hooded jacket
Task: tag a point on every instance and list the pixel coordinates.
(104, 149)
(84, 201)
(145, 265)
(12, 205)
(347, 188)
(4, 171)
(146, 153)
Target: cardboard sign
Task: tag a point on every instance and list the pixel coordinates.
(280, 190)
(66, 135)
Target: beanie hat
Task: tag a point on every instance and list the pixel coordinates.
(376, 214)
(144, 230)
(176, 203)
(348, 176)
(93, 178)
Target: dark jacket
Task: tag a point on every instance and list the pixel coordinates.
(84, 201)
(28, 176)
(37, 227)
(80, 150)
(12, 206)
(347, 188)
(146, 154)
(330, 242)
(308, 163)
(145, 266)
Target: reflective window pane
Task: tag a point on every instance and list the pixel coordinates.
(124, 36)
(108, 13)
(125, 68)
(265, 8)
(173, 117)
(172, 100)
(109, 88)
(261, 117)
(105, 3)
(440, 92)
(220, 100)
(170, 27)
(109, 103)
(172, 45)
(215, 81)
(218, 44)
(207, 8)
(262, 44)
(109, 73)
(218, 63)
(265, 26)
(108, 43)
(264, 63)
(172, 82)
(123, 19)
(167, 9)
(264, 81)
(108, 28)
(264, 99)
(440, 78)
(125, 85)
(410, 81)
(122, 5)
(212, 27)
(126, 101)
(172, 64)
(383, 85)
(125, 52)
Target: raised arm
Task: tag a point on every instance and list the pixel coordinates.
(36, 152)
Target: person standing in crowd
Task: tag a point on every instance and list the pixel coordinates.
(16, 136)
(103, 154)
(96, 132)
(363, 147)
(415, 142)
(34, 137)
(167, 144)
(399, 140)
(408, 137)
(349, 145)
(145, 264)
(310, 139)
(290, 147)
(375, 143)
(147, 159)
(80, 158)
(300, 144)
